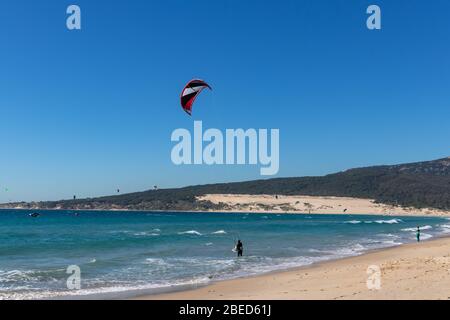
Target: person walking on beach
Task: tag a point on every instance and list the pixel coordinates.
(418, 234)
(239, 248)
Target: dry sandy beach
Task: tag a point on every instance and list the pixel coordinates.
(314, 205)
(412, 271)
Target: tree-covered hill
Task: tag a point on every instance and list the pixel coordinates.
(423, 184)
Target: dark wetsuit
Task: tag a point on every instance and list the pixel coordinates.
(239, 248)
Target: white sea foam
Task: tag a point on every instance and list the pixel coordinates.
(220, 232)
(445, 228)
(191, 232)
(349, 250)
(415, 229)
(391, 221)
(103, 291)
(425, 236)
(156, 261)
(264, 265)
(145, 234)
(391, 243)
(28, 276)
(15, 275)
(353, 222)
(389, 235)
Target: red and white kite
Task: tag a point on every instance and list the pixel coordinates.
(191, 92)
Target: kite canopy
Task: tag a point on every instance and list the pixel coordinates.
(190, 93)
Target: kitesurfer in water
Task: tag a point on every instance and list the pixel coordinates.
(239, 248)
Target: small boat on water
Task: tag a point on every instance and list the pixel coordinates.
(34, 215)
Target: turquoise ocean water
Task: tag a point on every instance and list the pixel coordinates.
(123, 254)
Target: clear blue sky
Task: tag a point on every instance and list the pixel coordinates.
(86, 112)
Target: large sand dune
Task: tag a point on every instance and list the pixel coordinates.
(313, 205)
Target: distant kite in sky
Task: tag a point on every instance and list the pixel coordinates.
(191, 92)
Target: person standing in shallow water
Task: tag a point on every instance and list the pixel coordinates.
(239, 248)
(418, 234)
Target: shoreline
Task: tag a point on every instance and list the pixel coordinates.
(283, 204)
(387, 215)
(408, 271)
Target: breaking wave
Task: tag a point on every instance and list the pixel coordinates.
(220, 232)
(191, 232)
